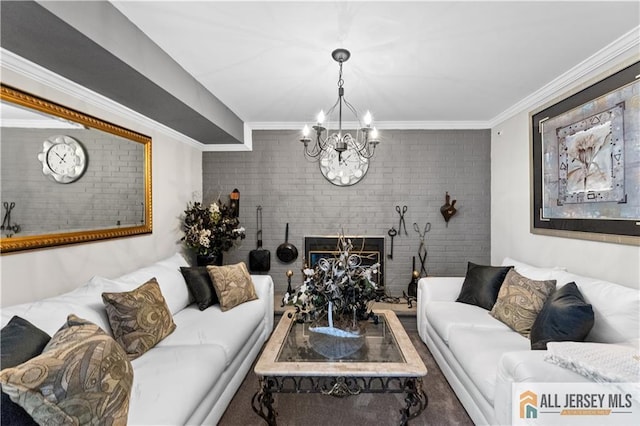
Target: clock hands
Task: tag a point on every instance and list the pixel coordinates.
(343, 161)
(61, 158)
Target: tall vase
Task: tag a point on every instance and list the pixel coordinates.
(209, 259)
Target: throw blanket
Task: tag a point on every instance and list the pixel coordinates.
(600, 362)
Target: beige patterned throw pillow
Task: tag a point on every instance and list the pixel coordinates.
(139, 318)
(233, 284)
(82, 377)
(520, 299)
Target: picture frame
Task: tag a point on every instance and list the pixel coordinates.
(585, 154)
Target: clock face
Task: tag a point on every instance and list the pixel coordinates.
(343, 170)
(63, 159)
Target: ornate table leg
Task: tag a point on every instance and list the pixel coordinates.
(262, 402)
(416, 398)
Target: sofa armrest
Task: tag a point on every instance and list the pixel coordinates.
(264, 289)
(442, 289)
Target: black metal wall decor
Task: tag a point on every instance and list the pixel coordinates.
(448, 209)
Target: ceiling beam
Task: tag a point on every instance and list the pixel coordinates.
(94, 45)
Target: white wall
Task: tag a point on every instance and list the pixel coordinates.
(510, 214)
(177, 173)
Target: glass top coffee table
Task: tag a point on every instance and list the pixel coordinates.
(387, 362)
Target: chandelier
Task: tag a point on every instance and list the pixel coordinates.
(366, 139)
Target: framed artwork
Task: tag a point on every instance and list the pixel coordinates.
(586, 162)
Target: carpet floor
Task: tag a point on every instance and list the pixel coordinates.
(364, 409)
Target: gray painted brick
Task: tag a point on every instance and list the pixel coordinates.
(412, 167)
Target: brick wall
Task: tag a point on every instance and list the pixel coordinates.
(111, 189)
(411, 167)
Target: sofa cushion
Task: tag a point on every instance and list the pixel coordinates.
(48, 314)
(481, 285)
(565, 316)
(520, 299)
(20, 342)
(230, 330)
(139, 318)
(171, 382)
(479, 353)
(81, 377)
(170, 280)
(533, 272)
(200, 286)
(443, 316)
(233, 285)
(616, 308)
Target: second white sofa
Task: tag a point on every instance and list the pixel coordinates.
(481, 357)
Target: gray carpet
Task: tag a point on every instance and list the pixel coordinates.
(364, 409)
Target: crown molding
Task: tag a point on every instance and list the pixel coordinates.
(626, 45)
(380, 125)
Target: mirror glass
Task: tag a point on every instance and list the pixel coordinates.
(67, 177)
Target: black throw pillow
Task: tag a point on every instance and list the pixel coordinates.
(200, 285)
(21, 341)
(482, 284)
(565, 317)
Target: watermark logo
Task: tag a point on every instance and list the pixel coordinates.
(585, 403)
(528, 405)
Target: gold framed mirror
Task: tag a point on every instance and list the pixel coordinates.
(68, 177)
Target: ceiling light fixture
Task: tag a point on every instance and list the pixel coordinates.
(366, 139)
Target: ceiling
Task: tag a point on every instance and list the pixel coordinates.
(412, 63)
(211, 71)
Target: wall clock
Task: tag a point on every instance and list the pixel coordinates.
(63, 158)
(343, 170)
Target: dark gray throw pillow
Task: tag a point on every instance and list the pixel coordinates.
(565, 317)
(482, 284)
(200, 285)
(21, 341)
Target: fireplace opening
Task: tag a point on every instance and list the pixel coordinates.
(371, 249)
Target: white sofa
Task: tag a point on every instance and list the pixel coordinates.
(189, 377)
(481, 357)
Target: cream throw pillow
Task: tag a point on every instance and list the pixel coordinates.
(233, 285)
(520, 299)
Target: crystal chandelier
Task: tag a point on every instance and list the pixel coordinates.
(366, 139)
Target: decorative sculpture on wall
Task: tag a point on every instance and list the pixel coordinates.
(448, 209)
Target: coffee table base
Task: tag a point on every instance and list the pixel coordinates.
(416, 399)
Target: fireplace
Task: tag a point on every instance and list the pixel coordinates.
(316, 247)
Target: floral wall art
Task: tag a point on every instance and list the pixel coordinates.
(586, 160)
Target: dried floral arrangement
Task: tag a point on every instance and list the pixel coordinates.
(342, 283)
(210, 230)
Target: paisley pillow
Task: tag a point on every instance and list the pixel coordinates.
(82, 377)
(233, 285)
(139, 318)
(520, 299)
